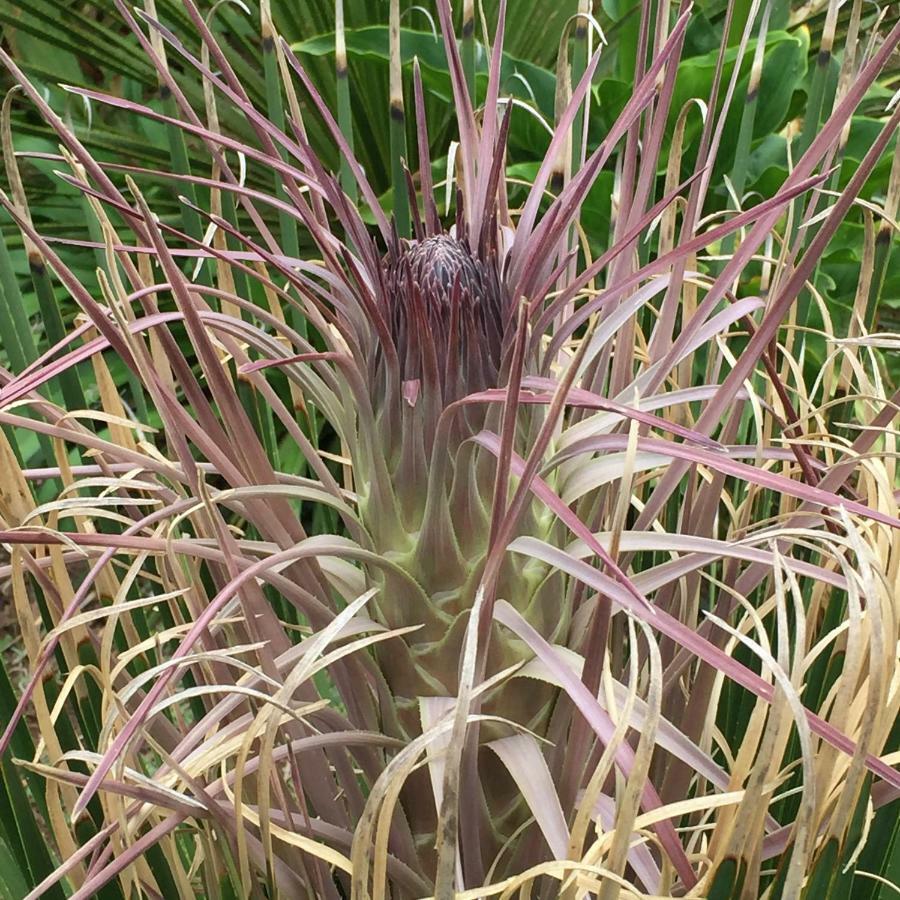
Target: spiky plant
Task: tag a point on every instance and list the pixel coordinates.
(580, 589)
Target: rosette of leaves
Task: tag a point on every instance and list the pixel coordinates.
(577, 588)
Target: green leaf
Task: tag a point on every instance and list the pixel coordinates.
(728, 880)
(519, 77)
(823, 873)
(19, 829)
(13, 881)
(784, 66)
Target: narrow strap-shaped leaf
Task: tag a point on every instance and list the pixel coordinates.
(344, 111)
(397, 113)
